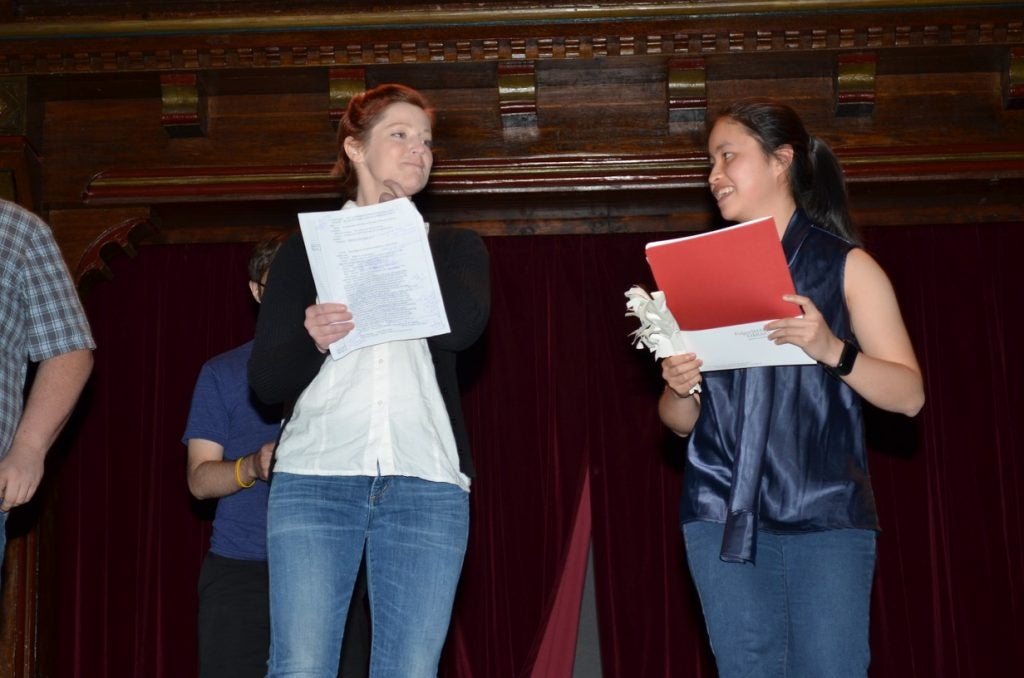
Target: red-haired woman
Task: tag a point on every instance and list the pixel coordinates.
(374, 456)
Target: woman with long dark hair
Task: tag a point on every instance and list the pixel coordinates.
(778, 513)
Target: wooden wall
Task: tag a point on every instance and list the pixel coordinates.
(127, 123)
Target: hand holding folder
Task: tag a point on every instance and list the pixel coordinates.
(721, 288)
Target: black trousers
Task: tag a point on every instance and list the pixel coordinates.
(234, 621)
(234, 618)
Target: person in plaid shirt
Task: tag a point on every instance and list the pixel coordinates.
(41, 321)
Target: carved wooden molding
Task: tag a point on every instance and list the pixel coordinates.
(855, 84)
(687, 90)
(545, 174)
(345, 83)
(536, 33)
(184, 105)
(452, 15)
(13, 102)
(19, 170)
(210, 184)
(120, 238)
(559, 47)
(1014, 80)
(517, 94)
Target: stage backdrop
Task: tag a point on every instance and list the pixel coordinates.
(555, 396)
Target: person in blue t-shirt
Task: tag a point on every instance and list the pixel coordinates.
(230, 437)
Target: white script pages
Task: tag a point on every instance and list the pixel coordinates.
(376, 260)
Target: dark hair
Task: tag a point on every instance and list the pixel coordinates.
(362, 113)
(815, 177)
(263, 254)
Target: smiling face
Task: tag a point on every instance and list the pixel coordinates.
(746, 182)
(397, 148)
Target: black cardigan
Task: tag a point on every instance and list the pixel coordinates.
(285, 360)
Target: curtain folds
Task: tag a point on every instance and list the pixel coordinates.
(555, 397)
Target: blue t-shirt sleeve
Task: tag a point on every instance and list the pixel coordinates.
(208, 417)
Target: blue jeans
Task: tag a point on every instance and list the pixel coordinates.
(414, 532)
(801, 612)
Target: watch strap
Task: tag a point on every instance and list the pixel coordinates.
(846, 360)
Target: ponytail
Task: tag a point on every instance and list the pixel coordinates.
(824, 196)
(815, 177)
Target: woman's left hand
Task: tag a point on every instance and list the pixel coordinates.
(809, 331)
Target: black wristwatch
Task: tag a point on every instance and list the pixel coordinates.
(846, 360)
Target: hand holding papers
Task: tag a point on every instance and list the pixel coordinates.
(721, 288)
(377, 261)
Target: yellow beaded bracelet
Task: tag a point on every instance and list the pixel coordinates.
(238, 478)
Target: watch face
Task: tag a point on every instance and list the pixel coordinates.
(847, 358)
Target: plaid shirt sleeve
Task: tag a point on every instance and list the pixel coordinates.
(56, 320)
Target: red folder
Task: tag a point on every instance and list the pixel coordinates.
(731, 276)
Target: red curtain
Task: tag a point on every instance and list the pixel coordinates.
(949, 590)
(131, 538)
(555, 395)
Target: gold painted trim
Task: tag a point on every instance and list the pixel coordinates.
(1015, 72)
(446, 18)
(857, 77)
(180, 98)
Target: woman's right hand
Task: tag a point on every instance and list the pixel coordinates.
(327, 323)
(682, 373)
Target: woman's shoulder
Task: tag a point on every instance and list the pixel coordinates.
(291, 256)
(458, 244)
(862, 269)
(453, 236)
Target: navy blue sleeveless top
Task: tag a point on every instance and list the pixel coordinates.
(782, 448)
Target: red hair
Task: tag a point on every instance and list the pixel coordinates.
(362, 113)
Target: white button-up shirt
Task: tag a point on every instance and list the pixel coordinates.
(377, 409)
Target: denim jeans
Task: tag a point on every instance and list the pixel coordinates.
(414, 532)
(801, 612)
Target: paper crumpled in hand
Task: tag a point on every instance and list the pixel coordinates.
(658, 329)
(657, 326)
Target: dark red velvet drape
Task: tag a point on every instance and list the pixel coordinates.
(554, 393)
(949, 590)
(131, 537)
